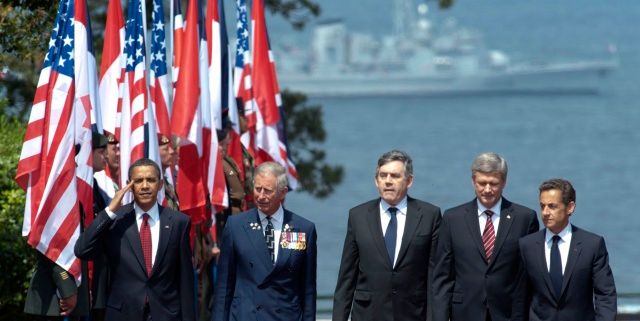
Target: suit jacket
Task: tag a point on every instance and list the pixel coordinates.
(465, 285)
(251, 287)
(588, 290)
(170, 288)
(369, 283)
(49, 283)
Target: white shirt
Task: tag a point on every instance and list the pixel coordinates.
(401, 216)
(276, 219)
(154, 225)
(563, 245)
(495, 218)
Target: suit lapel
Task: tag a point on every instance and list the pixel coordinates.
(575, 247)
(506, 220)
(414, 216)
(253, 228)
(375, 230)
(471, 217)
(133, 236)
(542, 264)
(166, 225)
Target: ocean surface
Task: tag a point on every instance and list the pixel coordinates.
(592, 140)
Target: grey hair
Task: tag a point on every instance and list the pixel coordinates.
(276, 170)
(396, 155)
(489, 162)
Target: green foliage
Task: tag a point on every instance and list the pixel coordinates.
(297, 12)
(24, 40)
(305, 131)
(16, 256)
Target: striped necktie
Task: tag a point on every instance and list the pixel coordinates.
(489, 235)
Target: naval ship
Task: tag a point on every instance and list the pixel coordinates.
(419, 58)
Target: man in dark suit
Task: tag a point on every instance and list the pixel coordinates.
(478, 263)
(148, 252)
(267, 266)
(388, 250)
(567, 268)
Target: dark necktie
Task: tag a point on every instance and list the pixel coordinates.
(268, 235)
(488, 235)
(555, 266)
(145, 240)
(391, 234)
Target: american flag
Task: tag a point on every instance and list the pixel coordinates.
(135, 113)
(159, 90)
(55, 163)
(242, 72)
(186, 121)
(110, 86)
(269, 145)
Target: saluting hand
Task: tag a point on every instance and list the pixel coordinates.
(116, 202)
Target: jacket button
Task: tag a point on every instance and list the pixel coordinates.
(259, 307)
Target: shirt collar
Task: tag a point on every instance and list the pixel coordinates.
(401, 206)
(276, 217)
(565, 234)
(495, 209)
(154, 212)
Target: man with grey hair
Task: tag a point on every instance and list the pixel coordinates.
(388, 250)
(478, 270)
(267, 267)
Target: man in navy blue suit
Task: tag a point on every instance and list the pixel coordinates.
(567, 268)
(148, 252)
(267, 267)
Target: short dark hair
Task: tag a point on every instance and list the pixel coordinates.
(563, 185)
(396, 155)
(145, 162)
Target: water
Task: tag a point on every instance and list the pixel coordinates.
(593, 141)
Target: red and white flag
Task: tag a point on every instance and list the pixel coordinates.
(186, 121)
(270, 143)
(212, 107)
(110, 86)
(55, 166)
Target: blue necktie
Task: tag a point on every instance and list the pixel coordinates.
(555, 266)
(391, 234)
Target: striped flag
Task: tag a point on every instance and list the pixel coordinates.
(159, 91)
(234, 150)
(186, 121)
(110, 86)
(135, 140)
(242, 70)
(212, 108)
(178, 34)
(55, 166)
(270, 144)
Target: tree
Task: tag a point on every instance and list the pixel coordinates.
(305, 132)
(16, 256)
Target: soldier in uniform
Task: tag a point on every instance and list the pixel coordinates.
(113, 158)
(167, 158)
(100, 277)
(235, 184)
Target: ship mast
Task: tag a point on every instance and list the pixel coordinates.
(404, 17)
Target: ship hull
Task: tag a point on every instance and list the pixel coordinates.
(575, 78)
